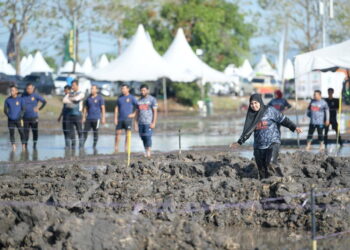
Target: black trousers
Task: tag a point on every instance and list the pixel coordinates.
(312, 129)
(31, 124)
(75, 123)
(12, 125)
(65, 129)
(91, 124)
(266, 159)
(334, 124)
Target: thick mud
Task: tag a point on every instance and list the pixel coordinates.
(192, 201)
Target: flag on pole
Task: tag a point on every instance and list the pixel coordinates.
(11, 48)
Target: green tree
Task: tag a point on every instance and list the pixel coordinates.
(216, 26)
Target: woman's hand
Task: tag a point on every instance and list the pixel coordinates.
(298, 130)
(234, 145)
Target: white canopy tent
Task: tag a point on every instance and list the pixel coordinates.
(337, 55)
(181, 57)
(103, 62)
(68, 68)
(138, 62)
(5, 67)
(264, 68)
(333, 56)
(288, 70)
(38, 65)
(87, 66)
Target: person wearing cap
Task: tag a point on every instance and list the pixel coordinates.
(333, 105)
(263, 121)
(279, 103)
(14, 110)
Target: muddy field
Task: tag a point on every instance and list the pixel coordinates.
(192, 201)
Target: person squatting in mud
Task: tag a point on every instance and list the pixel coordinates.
(263, 121)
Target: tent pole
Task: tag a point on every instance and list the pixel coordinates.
(165, 96)
(339, 119)
(296, 109)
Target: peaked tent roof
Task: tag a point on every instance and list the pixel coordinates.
(264, 67)
(87, 66)
(38, 65)
(181, 56)
(138, 62)
(103, 62)
(288, 70)
(337, 55)
(5, 67)
(68, 67)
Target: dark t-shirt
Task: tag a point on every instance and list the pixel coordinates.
(30, 102)
(14, 107)
(280, 104)
(93, 105)
(126, 105)
(333, 105)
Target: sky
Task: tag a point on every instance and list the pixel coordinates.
(103, 43)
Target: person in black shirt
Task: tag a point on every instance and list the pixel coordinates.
(333, 104)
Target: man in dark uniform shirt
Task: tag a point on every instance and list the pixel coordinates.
(31, 113)
(333, 104)
(14, 109)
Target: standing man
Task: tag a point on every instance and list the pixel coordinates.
(74, 101)
(279, 103)
(146, 116)
(333, 104)
(124, 112)
(14, 110)
(318, 112)
(31, 116)
(94, 107)
(64, 117)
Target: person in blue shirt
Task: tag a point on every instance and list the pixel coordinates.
(94, 111)
(14, 110)
(74, 102)
(263, 121)
(124, 112)
(279, 103)
(64, 117)
(31, 113)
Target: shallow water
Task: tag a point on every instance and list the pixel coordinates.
(196, 131)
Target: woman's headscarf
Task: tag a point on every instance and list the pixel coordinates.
(252, 118)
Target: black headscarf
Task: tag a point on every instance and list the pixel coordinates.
(252, 118)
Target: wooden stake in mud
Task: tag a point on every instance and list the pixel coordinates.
(313, 219)
(179, 141)
(129, 146)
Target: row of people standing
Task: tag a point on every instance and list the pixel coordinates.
(23, 113)
(322, 114)
(91, 112)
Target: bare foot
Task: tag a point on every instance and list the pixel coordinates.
(14, 147)
(321, 147)
(308, 147)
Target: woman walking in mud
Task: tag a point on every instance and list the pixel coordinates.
(264, 122)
